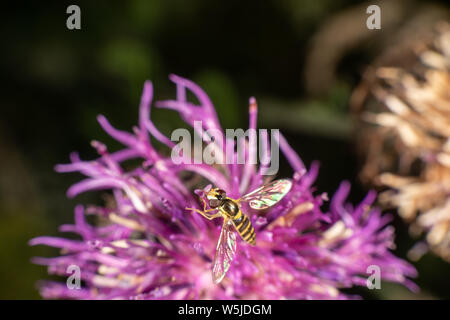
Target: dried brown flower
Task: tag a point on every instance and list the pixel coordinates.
(403, 112)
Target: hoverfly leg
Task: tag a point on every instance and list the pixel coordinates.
(205, 214)
(205, 211)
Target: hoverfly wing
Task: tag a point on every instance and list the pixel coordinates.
(268, 195)
(225, 251)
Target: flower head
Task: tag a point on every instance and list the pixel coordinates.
(146, 245)
(408, 149)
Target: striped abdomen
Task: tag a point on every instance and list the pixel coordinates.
(244, 227)
(241, 222)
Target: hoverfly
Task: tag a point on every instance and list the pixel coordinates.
(233, 219)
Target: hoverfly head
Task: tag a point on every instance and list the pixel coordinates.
(215, 197)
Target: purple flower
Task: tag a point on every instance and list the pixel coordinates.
(145, 245)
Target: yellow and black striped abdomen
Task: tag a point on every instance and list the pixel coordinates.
(244, 227)
(241, 222)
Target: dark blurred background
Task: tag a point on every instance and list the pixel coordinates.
(300, 59)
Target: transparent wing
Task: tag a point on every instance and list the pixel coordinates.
(225, 251)
(267, 195)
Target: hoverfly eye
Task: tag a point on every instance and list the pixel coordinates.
(214, 203)
(222, 193)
